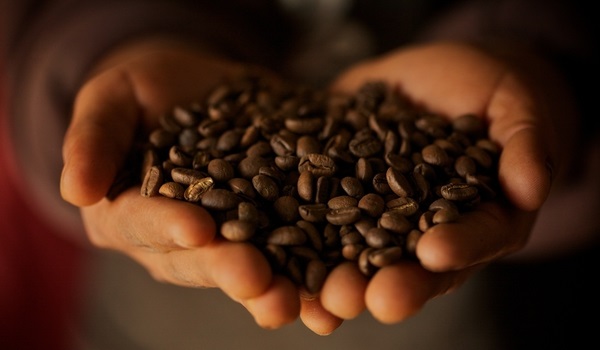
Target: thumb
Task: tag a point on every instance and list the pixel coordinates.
(99, 138)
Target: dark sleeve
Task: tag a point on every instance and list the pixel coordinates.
(49, 46)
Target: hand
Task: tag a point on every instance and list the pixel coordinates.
(522, 110)
(175, 241)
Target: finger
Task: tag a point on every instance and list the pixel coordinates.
(315, 317)
(343, 293)
(238, 269)
(525, 170)
(156, 224)
(399, 291)
(277, 306)
(98, 138)
(487, 233)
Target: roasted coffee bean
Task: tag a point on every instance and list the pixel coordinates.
(287, 163)
(172, 190)
(242, 187)
(443, 216)
(459, 192)
(395, 222)
(412, 238)
(179, 157)
(152, 182)
(352, 186)
(238, 230)
(380, 184)
(342, 202)
(287, 235)
(219, 199)
(248, 212)
(250, 166)
(317, 164)
(316, 272)
(364, 263)
(307, 144)
(426, 221)
(385, 256)
(287, 208)
(266, 187)
(372, 204)
(378, 237)
(197, 189)
(435, 155)
(322, 193)
(465, 165)
(313, 212)
(312, 234)
(398, 183)
(306, 185)
(161, 138)
(186, 176)
(404, 205)
(343, 216)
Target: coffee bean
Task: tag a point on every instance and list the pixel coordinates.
(197, 189)
(152, 182)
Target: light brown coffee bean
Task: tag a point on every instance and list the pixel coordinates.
(197, 189)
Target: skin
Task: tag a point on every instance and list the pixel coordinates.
(176, 242)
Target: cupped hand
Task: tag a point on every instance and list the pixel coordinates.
(175, 241)
(522, 111)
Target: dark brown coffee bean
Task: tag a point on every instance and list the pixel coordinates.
(469, 124)
(238, 230)
(465, 165)
(266, 187)
(481, 156)
(287, 235)
(372, 204)
(404, 205)
(287, 208)
(219, 199)
(303, 126)
(426, 221)
(307, 144)
(250, 166)
(242, 187)
(412, 239)
(398, 183)
(343, 216)
(352, 251)
(200, 160)
(179, 157)
(229, 140)
(283, 144)
(186, 176)
(313, 212)
(322, 193)
(364, 265)
(276, 255)
(317, 164)
(161, 138)
(443, 216)
(380, 184)
(378, 237)
(172, 190)
(342, 202)
(247, 211)
(306, 185)
(352, 186)
(316, 272)
(385, 256)
(459, 192)
(435, 155)
(287, 163)
(365, 147)
(395, 222)
(312, 234)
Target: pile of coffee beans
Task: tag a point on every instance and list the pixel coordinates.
(315, 179)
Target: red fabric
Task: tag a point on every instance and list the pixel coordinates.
(38, 269)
